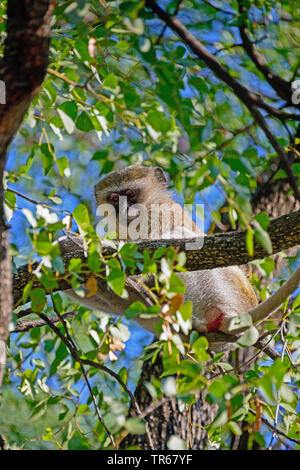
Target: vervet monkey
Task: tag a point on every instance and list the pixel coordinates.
(217, 294)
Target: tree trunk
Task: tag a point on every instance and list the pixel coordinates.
(22, 71)
(170, 419)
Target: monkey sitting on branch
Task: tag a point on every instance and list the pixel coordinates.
(139, 193)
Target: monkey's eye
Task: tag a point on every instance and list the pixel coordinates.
(113, 198)
(129, 193)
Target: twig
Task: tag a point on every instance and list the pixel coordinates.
(73, 350)
(37, 203)
(266, 422)
(281, 86)
(124, 386)
(251, 100)
(74, 353)
(268, 350)
(165, 27)
(22, 326)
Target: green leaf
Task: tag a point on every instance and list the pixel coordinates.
(47, 152)
(63, 166)
(81, 215)
(74, 265)
(94, 262)
(84, 123)
(263, 219)
(110, 81)
(296, 169)
(60, 355)
(38, 299)
(176, 284)
(116, 280)
(10, 204)
(262, 237)
(135, 426)
(10, 198)
(248, 338)
(240, 321)
(200, 346)
(250, 241)
(67, 121)
(135, 309)
(122, 45)
(245, 206)
(185, 367)
(234, 427)
(186, 310)
(159, 252)
(83, 410)
(158, 121)
(280, 174)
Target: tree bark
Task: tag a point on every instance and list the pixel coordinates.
(218, 251)
(170, 418)
(22, 70)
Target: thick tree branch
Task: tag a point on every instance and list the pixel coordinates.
(218, 251)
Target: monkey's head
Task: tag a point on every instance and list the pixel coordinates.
(140, 184)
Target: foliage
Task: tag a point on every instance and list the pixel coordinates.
(120, 91)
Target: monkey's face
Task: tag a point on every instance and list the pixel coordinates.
(130, 186)
(124, 200)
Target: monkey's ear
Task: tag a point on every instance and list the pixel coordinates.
(160, 176)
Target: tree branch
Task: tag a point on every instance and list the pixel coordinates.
(277, 431)
(267, 307)
(68, 341)
(250, 99)
(22, 326)
(281, 86)
(217, 251)
(245, 95)
(74, 353)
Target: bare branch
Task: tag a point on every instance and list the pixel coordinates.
(28, 325)
(277, 431)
